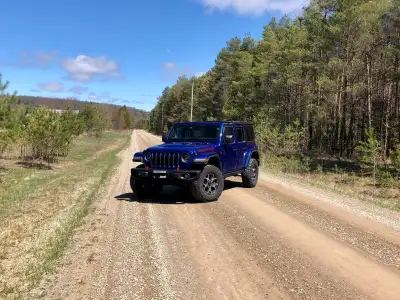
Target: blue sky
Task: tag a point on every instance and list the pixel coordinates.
(122, 52)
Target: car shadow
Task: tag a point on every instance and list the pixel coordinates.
(228, 185)
(172, 195)
(168, 195)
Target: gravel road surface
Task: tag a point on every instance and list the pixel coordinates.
(271, 242)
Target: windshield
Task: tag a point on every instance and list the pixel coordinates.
(195, 132)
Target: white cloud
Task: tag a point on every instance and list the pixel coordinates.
(171, 70)
(169, 66)
(147, 95)
(84, 68)
(78, 90)
(254, 7)
(53, 86)
(44, 58)
(32, 59)
(95, 97)
(124, 101)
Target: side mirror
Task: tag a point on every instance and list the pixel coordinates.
(228, 139)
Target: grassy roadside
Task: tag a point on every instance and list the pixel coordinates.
(40, 210)
(337, 179)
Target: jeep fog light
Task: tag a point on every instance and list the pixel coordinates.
(186, 157)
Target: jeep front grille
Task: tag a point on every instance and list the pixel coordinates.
(166, 160)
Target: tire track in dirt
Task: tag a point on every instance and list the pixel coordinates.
(375, 240)
(346, 272)
(357, 273)
(250, 244)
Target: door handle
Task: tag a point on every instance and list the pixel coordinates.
(235, 149)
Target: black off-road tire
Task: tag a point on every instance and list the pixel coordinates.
(250, 175)
(209, 186)
(145, 188)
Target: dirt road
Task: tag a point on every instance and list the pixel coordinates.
(264, 243)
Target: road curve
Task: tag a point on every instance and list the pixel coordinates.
(262, 243)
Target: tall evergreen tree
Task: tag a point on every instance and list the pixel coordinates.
(336, 68)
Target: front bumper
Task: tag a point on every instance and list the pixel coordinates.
(172, 177)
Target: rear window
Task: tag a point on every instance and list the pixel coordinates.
(249, 133)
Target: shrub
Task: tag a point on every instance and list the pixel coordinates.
(396, 158)
(370, 150)
(94, 121)
(385, 179)
(290, 165)
(43, 133)
(122, 119)
(338, 170)
(49, 134)
(347, 178)
(293, 139)
(289, 141)
(10, 125)
(294, 165)
(267, 135)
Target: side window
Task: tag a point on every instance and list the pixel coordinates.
(249, 133)
(239, 134)
(228, 135)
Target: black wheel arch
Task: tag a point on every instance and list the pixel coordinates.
(256, 155)
(213, 160)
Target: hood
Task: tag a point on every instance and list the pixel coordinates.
(183, 147)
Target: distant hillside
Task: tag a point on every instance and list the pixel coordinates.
(59, 103)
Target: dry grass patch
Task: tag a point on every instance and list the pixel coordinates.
(40, 210)
(361, 188)
(341, 177)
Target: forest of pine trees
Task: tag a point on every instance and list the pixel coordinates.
(122, 119)
(335, 69)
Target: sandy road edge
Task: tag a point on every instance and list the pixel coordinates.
(354, 206)
(72, 277)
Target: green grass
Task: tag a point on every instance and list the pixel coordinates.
(31, 200)
(20, 184)
(85, 146)
(57, 246)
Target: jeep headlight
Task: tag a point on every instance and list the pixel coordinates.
(186, 157)
(148, 156)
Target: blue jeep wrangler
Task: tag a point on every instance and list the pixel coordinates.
(198, 155)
